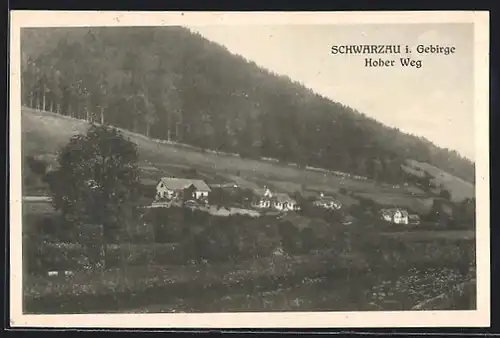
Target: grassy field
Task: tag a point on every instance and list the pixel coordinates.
(458, 188)
(44, 133)
(238, 286)
(38, 208)
(419, 204)
(449, 235)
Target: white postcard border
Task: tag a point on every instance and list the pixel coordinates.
(477, 318)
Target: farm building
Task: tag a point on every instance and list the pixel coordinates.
(283, 202)
(279, 201)
(327, 202)
(400, 216)
(176, 188)
(263, 198)
(396, 216)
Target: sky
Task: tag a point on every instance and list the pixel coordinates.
(435, 101)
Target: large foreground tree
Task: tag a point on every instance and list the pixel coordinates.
(97, 181)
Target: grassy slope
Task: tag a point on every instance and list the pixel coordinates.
(45, 133)
(458, 188)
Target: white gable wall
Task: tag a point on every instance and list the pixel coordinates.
(163, 192)
(200, 194)
(399, 218)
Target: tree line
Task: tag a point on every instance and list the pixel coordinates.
(171, 84)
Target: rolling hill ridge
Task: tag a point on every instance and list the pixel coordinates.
(168, 83)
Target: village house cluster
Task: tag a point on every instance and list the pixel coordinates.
(399, 216)
(172, 190)
(196, 192)
(327, 202)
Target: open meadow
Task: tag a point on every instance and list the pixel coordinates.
(44, 133)
(354, 267)
(241, 253)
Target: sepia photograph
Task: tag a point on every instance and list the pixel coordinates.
(249, 169)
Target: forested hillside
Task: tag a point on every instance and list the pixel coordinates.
(169, 83)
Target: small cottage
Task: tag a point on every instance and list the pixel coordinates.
(327, 202)
(262, 198)
(400, 216)
(386, 215)
(283, 202)
(396, 216)
(265, 199)
(180, 188)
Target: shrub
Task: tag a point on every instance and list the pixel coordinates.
(36, 165)
(218, 242)
(445, 194)
(308, 239)
(41, 257)
(289, 237)
(255, 238)
(236, 237)
(144, 234)
(49, 227)
(167, 225)
(366, 203)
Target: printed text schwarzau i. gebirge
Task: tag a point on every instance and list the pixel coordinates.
(389, 54)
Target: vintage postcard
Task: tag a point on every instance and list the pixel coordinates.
(249, 170)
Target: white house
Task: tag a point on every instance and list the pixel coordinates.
(396, 216)
(327, 202)
(174, 188)
(386, 215)
(279, 201)
(400, 216)
(263, 200)
(283, 202)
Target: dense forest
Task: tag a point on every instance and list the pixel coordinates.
(169, 83)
